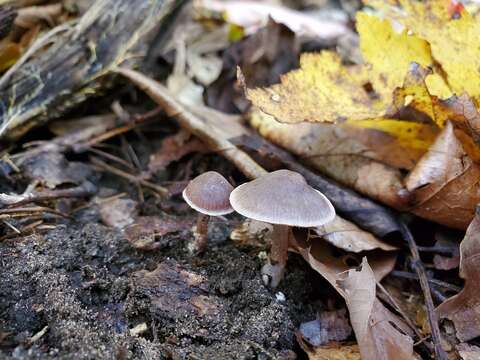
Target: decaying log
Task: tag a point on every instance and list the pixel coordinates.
(68, 64)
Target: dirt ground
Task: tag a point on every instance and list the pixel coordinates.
(81, 291)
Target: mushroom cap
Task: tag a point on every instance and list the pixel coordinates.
(282, 197)
(209, 194)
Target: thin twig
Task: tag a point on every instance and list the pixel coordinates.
(85, 189)
(443, 284)
(399, 309)
(196, 123)
(26, 211)
(132, 178)
(440, 354)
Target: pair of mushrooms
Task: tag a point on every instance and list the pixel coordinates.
(282, 198)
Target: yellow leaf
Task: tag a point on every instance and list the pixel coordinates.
(322, 90)
(454, 40)
(390, 54)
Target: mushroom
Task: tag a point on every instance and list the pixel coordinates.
(208, 194)
(284, 199)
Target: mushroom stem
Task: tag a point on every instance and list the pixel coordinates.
(274, 270)
(200, 239)
(279, 249)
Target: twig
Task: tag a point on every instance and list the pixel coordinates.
(132, 178)
(195, 123)
(399, 309)
(25, 211)
(443, 284)
(440, 249)
(85, 189)
(440, 354)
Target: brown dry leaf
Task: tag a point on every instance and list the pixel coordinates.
(320, 256)
(52, 169)
(147, 231)
(29, 16)
(174, 291)
(441, 262)
(328, 326)
(445, 183)
(468, 352)
(332, 151)
(349, 237)
(333, 351)
(173, 149)
(118, 212)
(251, 232)
(371, 321)
(464, 308)
(377, 338)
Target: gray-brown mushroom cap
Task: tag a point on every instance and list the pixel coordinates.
(282, 197)
(209, 194)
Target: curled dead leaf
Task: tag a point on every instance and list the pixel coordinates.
(174, 148)
(347, 236)
(377, 338)
(444, 184)
(464, 308)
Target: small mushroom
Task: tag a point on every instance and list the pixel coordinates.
(208, 194)
(284, 199)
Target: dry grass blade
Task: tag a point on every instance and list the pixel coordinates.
(103, 166)
(215, 137)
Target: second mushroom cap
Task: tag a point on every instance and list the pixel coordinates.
(282, 197)
(208, 194)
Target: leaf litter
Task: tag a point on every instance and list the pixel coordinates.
(91, 207)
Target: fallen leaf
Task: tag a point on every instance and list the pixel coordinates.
(328, 326)
(29, 16)
(335, 153)
(349, 237)
(262, 56)
(468, 352)
(441, 262)
(253, 15)
(173, 148)
(464, 308)
(147, 231)
(334, 351)
(378, 38)
(251, 232)
(320, 256)
(52, 169)
(454, 42)
(175, 292)
(322, 90)
(376, 336)
(118, 212)
(444, 184)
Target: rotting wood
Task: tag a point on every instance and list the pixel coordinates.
(73, 68)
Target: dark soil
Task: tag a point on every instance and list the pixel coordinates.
(87, 288)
